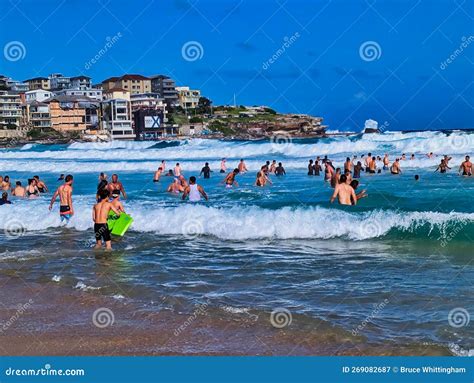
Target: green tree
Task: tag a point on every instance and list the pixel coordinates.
(204, 106)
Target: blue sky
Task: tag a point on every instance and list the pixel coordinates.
(324, 70)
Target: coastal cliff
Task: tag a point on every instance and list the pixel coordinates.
(259, 122)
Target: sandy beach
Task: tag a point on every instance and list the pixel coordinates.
(59, 322)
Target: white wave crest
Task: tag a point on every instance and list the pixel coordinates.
(249, 222)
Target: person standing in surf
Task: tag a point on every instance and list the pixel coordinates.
(229, 180)
(177, 170)
(242, 167)
(273, 166)
(466, 167)
(344, 192)
(40, 185)
(317, 167)
(194, 191)
(116, 185)
(206, 170)
(335, 178)
(100, 214)
(348, 165)
(386, 162)
(156, 177)
(19, 191)
(357, 169)
(310, 168)
(395, 168)
(223, 166)
(442, 167)
(66, 209)
(328, 170)
(280, 170)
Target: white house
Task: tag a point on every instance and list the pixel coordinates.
(38, 95)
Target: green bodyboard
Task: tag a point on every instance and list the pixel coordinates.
(119, 225)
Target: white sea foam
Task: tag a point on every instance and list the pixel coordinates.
(241, 223)
(82, 286)
(393, 143)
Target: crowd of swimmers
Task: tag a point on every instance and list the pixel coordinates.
(344, 182)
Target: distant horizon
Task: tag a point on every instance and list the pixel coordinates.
(407, 65)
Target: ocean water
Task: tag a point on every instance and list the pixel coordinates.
(395, 269)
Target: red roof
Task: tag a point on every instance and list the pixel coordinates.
(133, 77)
(111, 79)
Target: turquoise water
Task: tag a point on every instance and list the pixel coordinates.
(390, 269)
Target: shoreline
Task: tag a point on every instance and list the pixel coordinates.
(58, 321)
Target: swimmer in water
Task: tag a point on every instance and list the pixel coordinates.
(31, 190)
(66, 209)
(177, 170)
(229, 180)
(262, 178)
(183, 181)
(156, 177)
(373, 166)
(368, 160)
(242, 167)
(348, 165)
(317, 167)
(19, 191)
(386, 162)
(310, 168)
(5, 185)
(280, 170)
(194, 191)
(41, 185)
(206, 170)
(357, 169)
(335, 177)
(344, 192)
(442, 167)
(328, 171)
(4, 200)
(223, 166)
(466, 167)
(395, 168)
(175, 187)
(273, 166)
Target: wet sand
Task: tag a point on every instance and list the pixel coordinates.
(46, 319)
